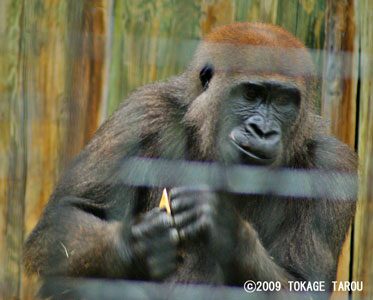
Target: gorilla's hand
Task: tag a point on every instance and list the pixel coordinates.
(202, 214)
(154, 243)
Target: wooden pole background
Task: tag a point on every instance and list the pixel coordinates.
(363, 235)
(66, 65)
(339, 93)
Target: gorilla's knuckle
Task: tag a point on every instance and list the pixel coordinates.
(150, 215)
(178, 219)
(136, 231)
(173, 235)
(206, 210)
(178, 192)
(206, 222)
(165, 220)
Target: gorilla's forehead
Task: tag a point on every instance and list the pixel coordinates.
(237, 78)
(245, 59)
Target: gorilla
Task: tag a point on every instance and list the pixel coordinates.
(247, 98)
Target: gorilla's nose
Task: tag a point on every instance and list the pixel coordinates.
(264, 132)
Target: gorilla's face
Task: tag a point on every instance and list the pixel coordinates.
(256, 121)
(264, 111)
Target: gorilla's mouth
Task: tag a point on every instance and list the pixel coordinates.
(258, 157)
(254, 154)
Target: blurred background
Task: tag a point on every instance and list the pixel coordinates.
(66, 65)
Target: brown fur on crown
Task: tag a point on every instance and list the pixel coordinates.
(269, 50)
(254, 34)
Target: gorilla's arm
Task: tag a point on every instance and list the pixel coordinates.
(72, 239)
(90, 226)
(283, 261)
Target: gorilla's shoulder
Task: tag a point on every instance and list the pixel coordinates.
(332, 154)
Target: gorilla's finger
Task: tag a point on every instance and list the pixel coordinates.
(195, 228)
(186, 217)
(185, 190)
(158, 222)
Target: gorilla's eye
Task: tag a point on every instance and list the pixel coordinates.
(290, 97)
(205, 75)
(250, 94)
(281, 99)
(253, 91)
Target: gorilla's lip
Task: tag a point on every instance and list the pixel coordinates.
(250, 153)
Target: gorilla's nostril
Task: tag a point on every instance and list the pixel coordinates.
(257, 131)
(271, 135)
(253, 128)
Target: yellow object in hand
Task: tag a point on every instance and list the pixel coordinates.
(165, 202)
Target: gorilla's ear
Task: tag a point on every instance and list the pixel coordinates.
(206, 74)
